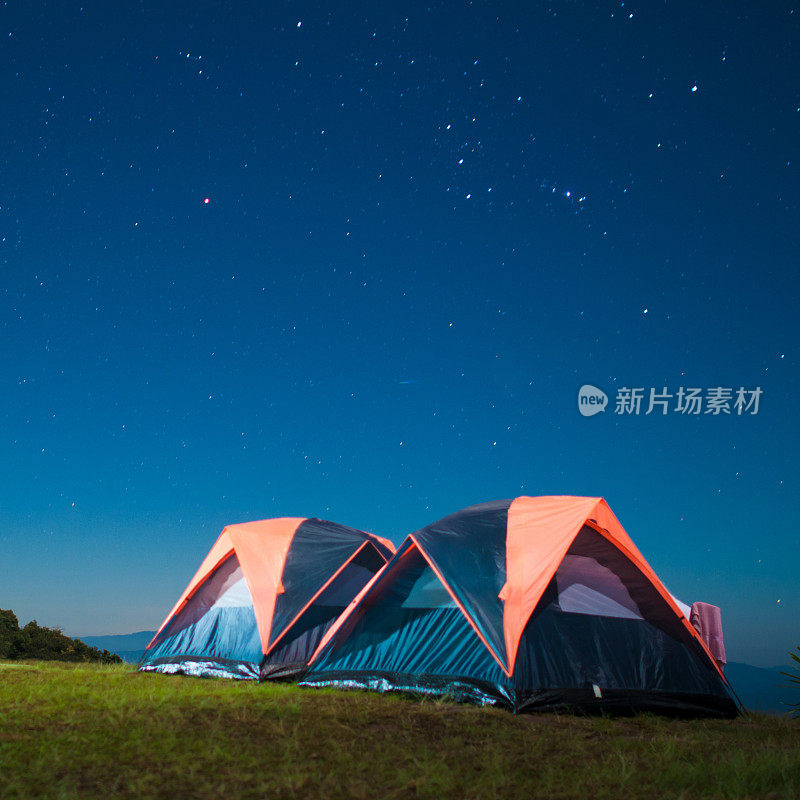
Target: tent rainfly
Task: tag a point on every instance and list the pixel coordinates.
(535, 603)
(264, 596)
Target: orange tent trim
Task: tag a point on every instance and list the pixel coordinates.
(262, 567)
(313, 599)
(461, 607)
(220, 551)
(346, 613)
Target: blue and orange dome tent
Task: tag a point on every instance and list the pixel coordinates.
(531, 603)
(263, 598)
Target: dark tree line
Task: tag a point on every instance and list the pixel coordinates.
(47, 644)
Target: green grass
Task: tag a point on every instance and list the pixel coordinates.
(69, 730)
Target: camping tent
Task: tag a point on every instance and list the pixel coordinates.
(535, 603)
(263, 598)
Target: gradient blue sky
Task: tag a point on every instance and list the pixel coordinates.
(428, 225)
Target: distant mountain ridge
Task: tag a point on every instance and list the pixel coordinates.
(128, 646)
(759, 688)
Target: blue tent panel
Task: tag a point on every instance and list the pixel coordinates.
(214, 634)
(411, 636)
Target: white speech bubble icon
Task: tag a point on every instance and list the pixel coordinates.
(591, 400)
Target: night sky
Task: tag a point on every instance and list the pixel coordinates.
(355, 260)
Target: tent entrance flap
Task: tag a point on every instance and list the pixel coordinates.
(602, 623)
(216, 625)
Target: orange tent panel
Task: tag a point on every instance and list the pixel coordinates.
(262, 566)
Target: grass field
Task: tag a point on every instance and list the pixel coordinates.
(109, 732)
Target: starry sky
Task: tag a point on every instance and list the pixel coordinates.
(356, 260)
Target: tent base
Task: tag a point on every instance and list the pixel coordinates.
(626, 702)
(477, 692)
(283, 672)
(202, 668)
(576, 701)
